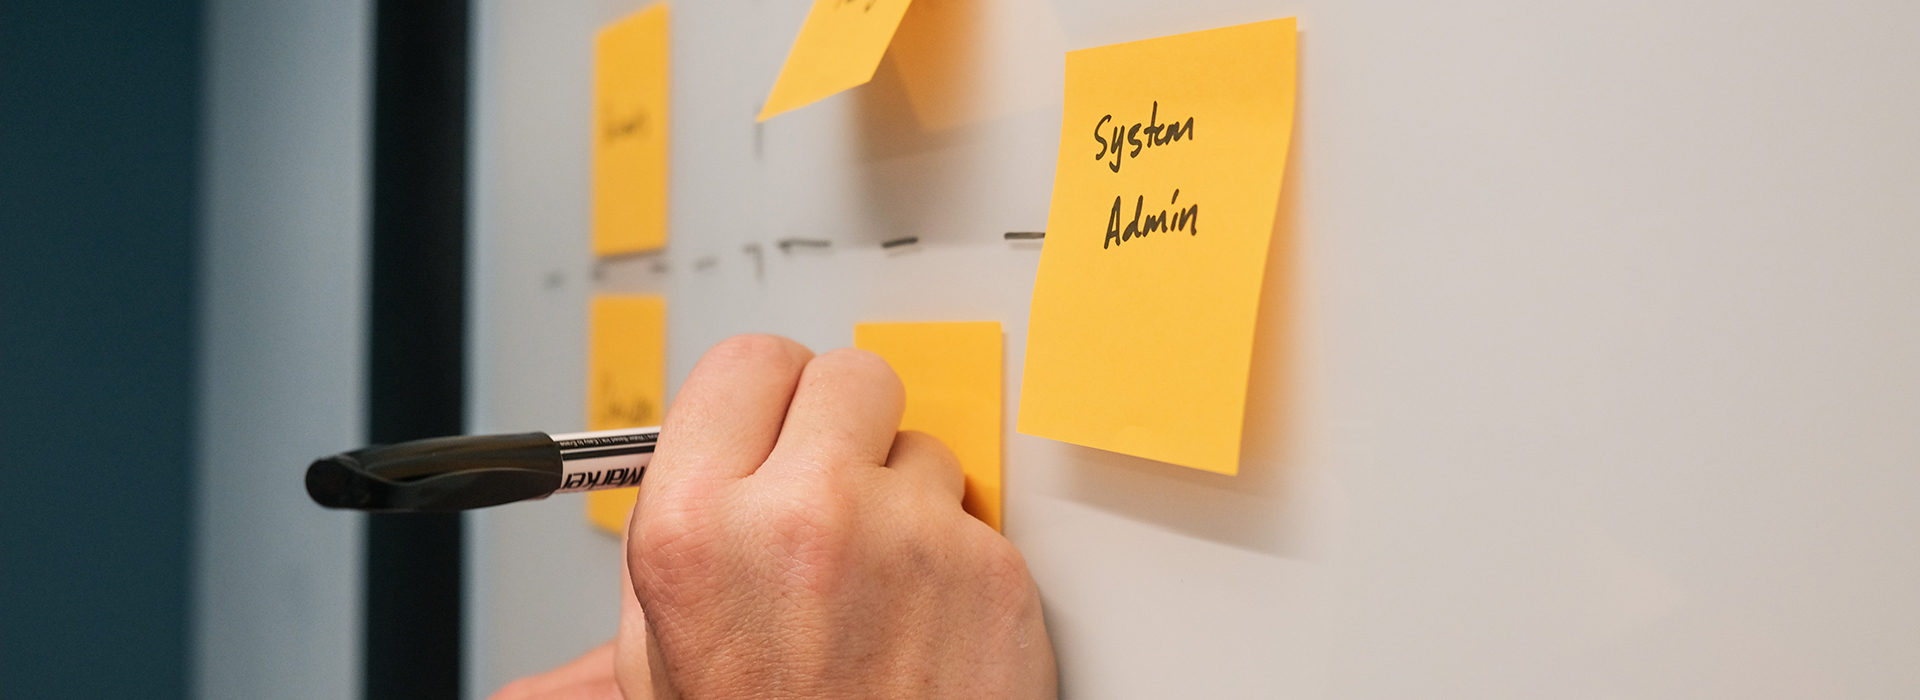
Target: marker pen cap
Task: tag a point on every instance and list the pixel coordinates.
(438, 474)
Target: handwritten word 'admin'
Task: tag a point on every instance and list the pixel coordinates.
(1187, 219)
(1157, 134)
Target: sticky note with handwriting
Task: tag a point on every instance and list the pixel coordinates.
(839, 47)
(1164, 196)
(630, 134)
(952, 375)
(626, 383)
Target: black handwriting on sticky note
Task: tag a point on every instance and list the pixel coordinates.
(629, 410)
(1120, 230)
(615, 127)
(1156, 134)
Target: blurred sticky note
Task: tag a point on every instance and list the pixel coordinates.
(839, 47)
(1164, 195)
(626, 383)
(952, 376)
(630, 134)
(969, 61)
(938, 51)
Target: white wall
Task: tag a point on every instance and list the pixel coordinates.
(1586, 365)
(541, 587)
(282, 352)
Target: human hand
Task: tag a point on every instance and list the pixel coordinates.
(790, 542)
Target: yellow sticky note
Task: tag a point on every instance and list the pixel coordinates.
(952, 376)
(839, 47)
(626, 383)
(1171, 155)
(608, 510)
(630, 134)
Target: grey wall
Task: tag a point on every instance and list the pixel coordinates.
(1586, 368)
(529, 281)
(277, 580)
(98, 123)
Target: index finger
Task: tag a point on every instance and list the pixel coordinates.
(845, 410)
(728, 413)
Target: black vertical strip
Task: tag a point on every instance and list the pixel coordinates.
(417, 341)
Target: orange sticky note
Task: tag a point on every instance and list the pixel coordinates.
(937, 50)
(839, 47)
(1164, 194)
(952, 375)
(626, 383)
(630, 134)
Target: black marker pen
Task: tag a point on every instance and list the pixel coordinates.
(476, 471)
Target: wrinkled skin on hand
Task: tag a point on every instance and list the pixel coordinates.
(790, 542)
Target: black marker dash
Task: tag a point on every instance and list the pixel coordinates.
(787, 244)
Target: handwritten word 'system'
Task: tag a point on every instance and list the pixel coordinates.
(1156, 134)
(1187, 219)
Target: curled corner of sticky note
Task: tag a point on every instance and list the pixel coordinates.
(608, 510)
(839, 46)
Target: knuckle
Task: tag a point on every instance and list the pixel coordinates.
(811, 513)
(856, 357)
(934, 452)
(811, 527)
(1003, 568)
(756, 348)
(855, 362)
(669, 540)
(925, 454)
(919, 444)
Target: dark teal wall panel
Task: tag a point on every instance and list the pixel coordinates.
(98, 112)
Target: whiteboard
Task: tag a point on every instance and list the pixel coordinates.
(1586, 364)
